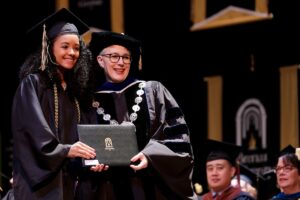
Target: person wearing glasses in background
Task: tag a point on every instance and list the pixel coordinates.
(163, 167)
(288, 174)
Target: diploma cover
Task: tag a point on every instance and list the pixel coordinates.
(115, 145)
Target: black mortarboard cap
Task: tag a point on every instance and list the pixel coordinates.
(214, 150)
(102, 39)
(256, 180)
(222, 150)
(62, 21)
(250, 176)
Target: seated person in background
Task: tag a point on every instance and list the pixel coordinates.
(220, 169)
(250, 181)
(288, 175)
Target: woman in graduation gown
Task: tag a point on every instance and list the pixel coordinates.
(164, 166)
(47, 106)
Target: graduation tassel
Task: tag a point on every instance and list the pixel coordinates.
(297, 152)
(140, 60)
(44, 50)
(238, 173)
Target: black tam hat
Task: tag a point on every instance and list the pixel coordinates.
(291, 150)
(61, 22)
(223, 150)
(103, 39)
(287, 150)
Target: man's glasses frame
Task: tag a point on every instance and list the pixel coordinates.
(114, 58)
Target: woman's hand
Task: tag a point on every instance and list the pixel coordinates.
(79, 149)
(99, 168)
(142, 159)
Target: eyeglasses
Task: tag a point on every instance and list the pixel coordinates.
(114, 58)
(286, 168)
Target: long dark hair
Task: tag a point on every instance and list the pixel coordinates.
(79, 81)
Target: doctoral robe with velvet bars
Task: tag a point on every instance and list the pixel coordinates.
(162, 135)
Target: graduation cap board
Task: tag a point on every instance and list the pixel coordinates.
(250, 176)
(222, 150)
(57, 20)
(60, 22)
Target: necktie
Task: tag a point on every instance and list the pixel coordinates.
(216, 196)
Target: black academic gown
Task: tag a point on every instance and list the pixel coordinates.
(163, 137)
(282, 196)
(9, 195)
(40, 167)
